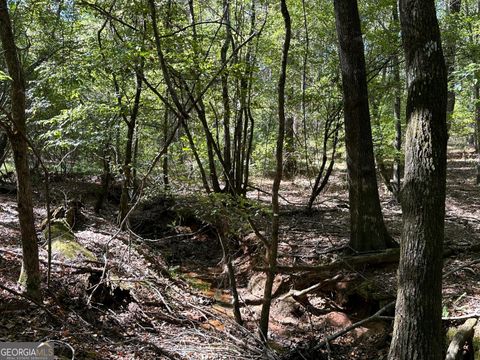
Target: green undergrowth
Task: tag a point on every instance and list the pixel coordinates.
(226, 213)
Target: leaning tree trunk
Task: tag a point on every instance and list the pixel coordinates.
(418, 328)
(367, 229)
(30, 274)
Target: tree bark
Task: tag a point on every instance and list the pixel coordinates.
(290, 158)
(129, 148)
(106, 180)
(367, 229)
(418, 330)
(477, 128)
(227, 152)
(30, 274)
(272, 248)
(397, 112)
(450, 52)
(3, 147)
(165, 165)
(323, 175)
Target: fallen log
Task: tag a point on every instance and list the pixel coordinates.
(352, 262)
(463, 334)
(348, 262)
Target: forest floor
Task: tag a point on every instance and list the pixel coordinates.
(161, 290)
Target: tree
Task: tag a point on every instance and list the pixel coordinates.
(272, 248)
(418, 330)
(450, 54)
(367, 229)
(477, 100)
(477, 126)
(3, 147)
(397, 109)
(131, 123)
(30, 274)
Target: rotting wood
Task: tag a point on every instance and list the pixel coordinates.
(463, 334)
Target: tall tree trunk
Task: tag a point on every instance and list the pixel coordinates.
(477, 111)
(200, 106)
(385, 173)
(30, 274)
(210, 141)
(165, 166)
(477, 127)
(227, 149)
(3, 147)
(238, 138)
(290, 159)
(249, 120)
(106, 179)
(367, 229)
(272, 248)
(418, 329)
(129, 148)
(328, 133)
(135, 159)
(203, 175)
(397, 113)
(450, 52)
(304, 90)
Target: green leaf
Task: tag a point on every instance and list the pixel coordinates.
(4, 76)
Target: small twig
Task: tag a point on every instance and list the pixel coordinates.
(102, 278)
(329, 349)
(460, 268)
(258, 233)
(162, 299)
(475, 314)
(270, 194)
(299, 293)
(199, 231)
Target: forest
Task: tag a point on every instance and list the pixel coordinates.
(240, 179)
